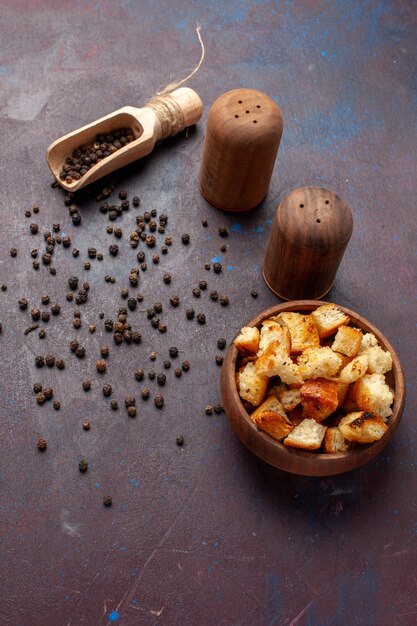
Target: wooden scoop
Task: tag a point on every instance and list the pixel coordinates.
(161, 117)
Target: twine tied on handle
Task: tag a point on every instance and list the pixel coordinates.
(166, 108)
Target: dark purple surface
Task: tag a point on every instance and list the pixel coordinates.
(207, 533)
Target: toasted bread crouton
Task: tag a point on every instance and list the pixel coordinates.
(342, 389)
(318, 363)
(349, 403)
(319, 398)
(308, 435)
(368, 341)
(344, 360)
(334, 442)
(362, 427)
(296, 415)
(272, 331)
(347, 341)
(328, 318)
(275, 361)
(303, 331)
(247, 342)
(271, 418)
(289, 398)
(354, 370)
(379, 361)
(252, 385)
(371, 393)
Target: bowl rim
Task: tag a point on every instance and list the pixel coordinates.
(290, 459)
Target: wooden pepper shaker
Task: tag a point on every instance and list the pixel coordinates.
(309, 235)
(244, 130)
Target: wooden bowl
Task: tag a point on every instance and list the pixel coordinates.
(300, 461)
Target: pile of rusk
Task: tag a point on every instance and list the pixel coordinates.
(318, 382)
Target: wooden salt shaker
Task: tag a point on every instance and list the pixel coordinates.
(310, 232)
(244, 130)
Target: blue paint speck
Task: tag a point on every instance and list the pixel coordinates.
(122, 549)
(324, 53)
(114, 616)
(134, 482)
(230, 267)
(236, 227)
(259, 229)
(395, 237)
(97, 485)
(216, 259)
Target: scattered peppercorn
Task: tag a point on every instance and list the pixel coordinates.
(86, 424)
(221, 343)
(214, 295)
(107, 501)
(207, 266)
(224, 300)
(218, 408)
(50, 360)
(145, 393)
(83, 466)
(80, 352)
(223, 247)
(201, 318)
(107, 390)
(60, 364)
(223, 232)
(39, 361)
(159, 401)
(151, 375)
(161, 379)
(42, 333)
(166, 278)
(56, 405)
(55, 309)
(114, 405)
(180, 440)
(131, 411)
(196, 292)
(49, 392)
(219, 359)
(185, 366)
(174, 301)
(209, 410)
(41, 443)
(190, 313)
(178, 372)
(101, 366)
(185, 238)
(217, 268)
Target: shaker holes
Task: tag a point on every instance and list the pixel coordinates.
(246, 111)
(255, 121)
(318, 221)
(301, 206)
(240, 101)
(327, 201)
(258, 106)
(236, 116)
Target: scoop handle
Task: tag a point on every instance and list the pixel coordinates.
(176, 110)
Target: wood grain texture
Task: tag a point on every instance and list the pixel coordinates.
(298, 461)
(244, 129)
(311, 229)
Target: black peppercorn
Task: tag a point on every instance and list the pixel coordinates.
(173, 352)
(83, 466)
(80, 352)
(161, 379)
(221, 343)
(86, 424)
(217, 268)
(107, 390)
(254, 293)
(39, 361)
(130, 401)
(145, 393)
(219, 359)
(48, 393)
(185, 366)
(36, 314)
(208, 410)
(86, 385)
(157, 307)
(202, 284)
(56, 405)
(207, 265)
(214, 295)
(40, 398)
(159, 401)
(185, 238)
(41, 443)
(180, 440)
(34, 228)
(196, 292)
(204, 223)
(114, 405)
(151, 375)
(223, 232)
(104, 351)
(166, 278)
(139, 374)
(218, 408)
(60, 364)
(178, 372)
(131, 411)
(37, 387)
(108, 325)
(114, 250)
(136, 337)
(73, 282)
(190, 313)
(174, 301)
(45, 316)
(55, 309)
(224, 300)
(13, 252)
(162, 327)
(223, 247)
(23, 304)
(107, 501)
(201, 318)
(50, 360)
